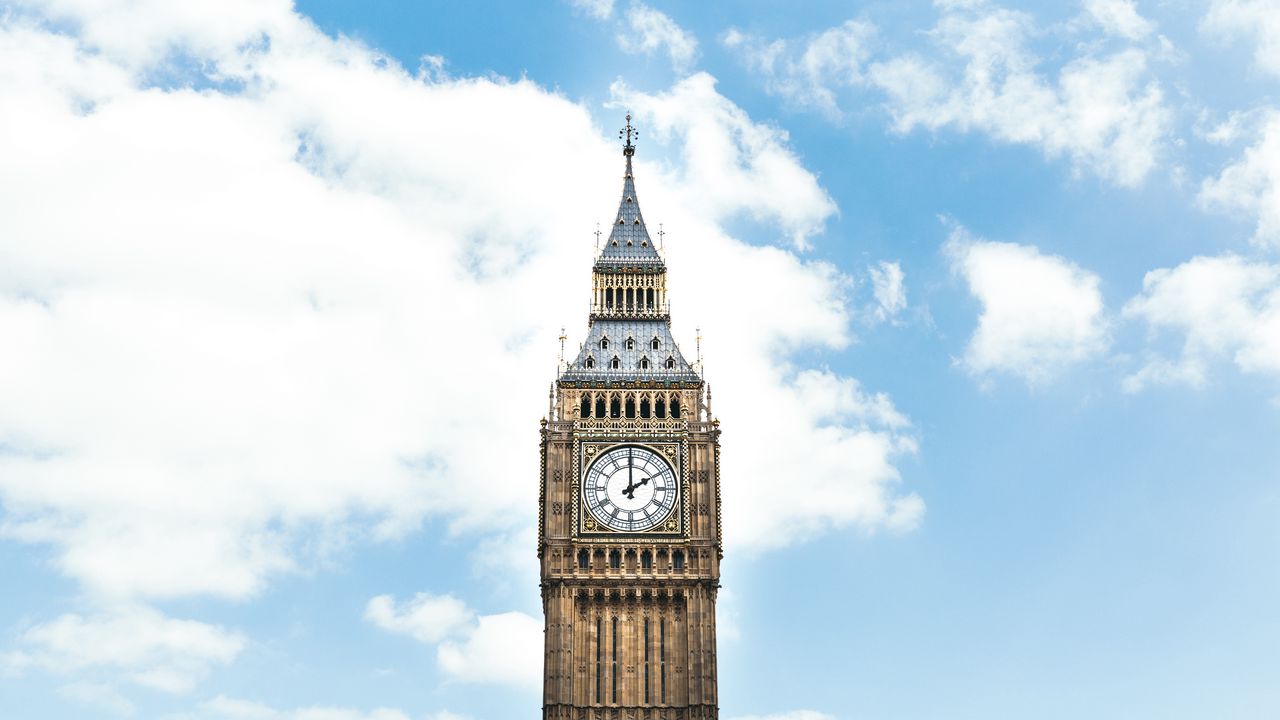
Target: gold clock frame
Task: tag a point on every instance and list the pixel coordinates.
(674, 451)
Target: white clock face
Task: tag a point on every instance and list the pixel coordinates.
(630, 489)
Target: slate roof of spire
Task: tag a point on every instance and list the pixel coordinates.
(642, 333)
(629, 242)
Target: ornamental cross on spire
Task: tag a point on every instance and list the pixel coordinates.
(627, 133)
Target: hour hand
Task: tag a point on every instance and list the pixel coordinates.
(630, 489)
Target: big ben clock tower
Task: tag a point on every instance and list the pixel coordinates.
(629, 508)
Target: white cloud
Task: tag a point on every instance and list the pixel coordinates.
(1229, 130)
(228, 708)
(648, 31)
(193, 394)
(1040, 313)
(836, 447)
(281, 317)
(888, 289)
(793, 715)
(809, 72)
(426, 618)
(1222, 307)
(504, 649)
(1119, 17)
(1104, 113)
(732, 164)
(1251, 184)
(141, 644)
(140, 33)
(598, 9)
(1259, 19)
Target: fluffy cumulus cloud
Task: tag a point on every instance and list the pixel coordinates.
(1106, 113)
(1040, 313)
(647, 31)
(240, 338)
(148, 648)
(265, 293)
(809, 72)
(503, 649)
(426, 618)
(1250, 185)
(1220, 307)
(1256, 20)
(844, 476)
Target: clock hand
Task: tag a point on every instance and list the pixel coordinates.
(630, 489)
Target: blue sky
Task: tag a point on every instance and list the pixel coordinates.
(989, 298)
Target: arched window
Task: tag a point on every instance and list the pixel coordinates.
(677, 560)
(615, 407)
(631, 406)
(661, 409)
(655, 343)
(615, 560)
(648, 298)
(584, 410)
(631, 298)
(615, 363)
(631, 343)
(644, 363)
(584, 559)
(671, 363)
(604, 343)
(608, 297)
(646, 560)
(600, 406)
(644, 407)
(591, 362)
(675, 408)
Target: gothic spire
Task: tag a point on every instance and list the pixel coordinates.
(629, 241)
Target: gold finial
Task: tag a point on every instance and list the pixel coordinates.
(597, 237)
(662, 245)
(627, 133)
(563, 337)
(698, 344)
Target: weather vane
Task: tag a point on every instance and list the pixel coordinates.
(597, 236)
(662, 236)
(627, 133)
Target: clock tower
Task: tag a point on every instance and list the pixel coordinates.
(629, 502)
